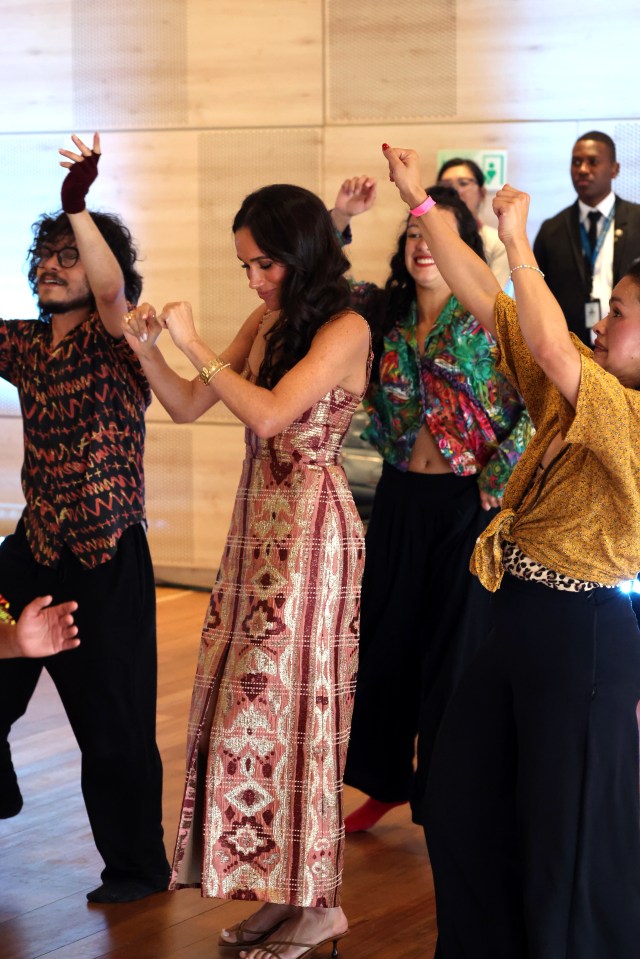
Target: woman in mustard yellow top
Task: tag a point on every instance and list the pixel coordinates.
(533, 800)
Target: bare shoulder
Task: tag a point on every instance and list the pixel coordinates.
(343, 344)
(348, 328)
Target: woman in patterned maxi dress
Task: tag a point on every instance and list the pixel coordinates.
(272, 700)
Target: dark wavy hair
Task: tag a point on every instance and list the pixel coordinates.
(394, 301)
(293, 227)
(51, 228)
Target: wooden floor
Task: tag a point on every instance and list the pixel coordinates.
(48, 861)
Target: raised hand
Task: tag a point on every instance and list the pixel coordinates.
(404, 171)
(356, 195)
(83, 170)
(512, 209)
(141, 328)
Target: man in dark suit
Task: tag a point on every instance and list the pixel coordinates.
(584, 250)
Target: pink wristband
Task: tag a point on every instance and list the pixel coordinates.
(424, 206)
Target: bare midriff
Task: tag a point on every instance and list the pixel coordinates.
(425, 455)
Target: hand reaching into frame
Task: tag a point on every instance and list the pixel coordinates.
(41, 630)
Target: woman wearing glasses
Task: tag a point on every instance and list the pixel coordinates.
(466, 177)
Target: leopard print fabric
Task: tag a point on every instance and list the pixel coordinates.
(521, 566)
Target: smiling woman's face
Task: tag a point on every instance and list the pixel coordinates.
(418, 260)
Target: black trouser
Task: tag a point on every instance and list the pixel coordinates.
(533, 808)
(108, 688)
(423, 616)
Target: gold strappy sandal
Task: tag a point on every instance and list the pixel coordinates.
(274, 947)
(240, 929)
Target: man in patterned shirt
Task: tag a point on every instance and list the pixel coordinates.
(81, 536)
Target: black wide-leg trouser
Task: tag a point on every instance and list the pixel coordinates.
(532, 808)
(108, 688)
(423, 616)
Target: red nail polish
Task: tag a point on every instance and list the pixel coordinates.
(385, 146)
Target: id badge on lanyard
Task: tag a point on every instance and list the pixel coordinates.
(592, 309)
(592, 313)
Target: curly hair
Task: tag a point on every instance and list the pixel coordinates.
(293, 227)
(393, 302)
(50, 228)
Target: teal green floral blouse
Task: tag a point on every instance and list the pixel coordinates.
(475, 416)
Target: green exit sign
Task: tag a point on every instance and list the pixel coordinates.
(493, 164)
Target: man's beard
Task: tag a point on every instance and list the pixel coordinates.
(85, 301)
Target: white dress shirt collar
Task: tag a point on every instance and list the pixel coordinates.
(604, 206)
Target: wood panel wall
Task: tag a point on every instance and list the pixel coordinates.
(200, 101)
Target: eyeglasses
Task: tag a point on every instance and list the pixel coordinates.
(67, 256)
(458, 183)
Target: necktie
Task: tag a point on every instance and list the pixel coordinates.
(592, 235)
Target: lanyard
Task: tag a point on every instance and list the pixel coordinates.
(586, 249)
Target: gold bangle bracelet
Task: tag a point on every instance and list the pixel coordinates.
(208, 372)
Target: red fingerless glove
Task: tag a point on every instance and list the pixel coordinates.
(75, 185)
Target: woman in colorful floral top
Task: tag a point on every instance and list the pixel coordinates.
(450, 429)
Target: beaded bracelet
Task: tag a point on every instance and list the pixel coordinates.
(426, 204)
(208, 372)
(525, 266)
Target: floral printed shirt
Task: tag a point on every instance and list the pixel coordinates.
(475, 416)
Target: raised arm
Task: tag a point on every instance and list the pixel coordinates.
(469, 277)
(356, 195)
(542, 322)
(103, 271)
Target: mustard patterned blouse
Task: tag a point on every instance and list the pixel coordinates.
(581, 515)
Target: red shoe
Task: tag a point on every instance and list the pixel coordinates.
(368, 814)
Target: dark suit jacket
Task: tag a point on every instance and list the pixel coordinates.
(558, 251)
